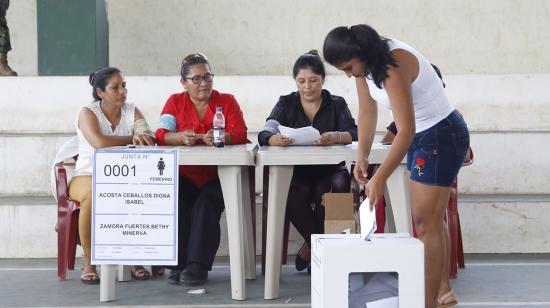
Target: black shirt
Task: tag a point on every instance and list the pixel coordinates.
(333, 115)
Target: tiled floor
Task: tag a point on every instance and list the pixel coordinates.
(501, 281)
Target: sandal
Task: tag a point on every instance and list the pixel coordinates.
(140, 273)
(89, 273)
(157, 271)
(447, 300)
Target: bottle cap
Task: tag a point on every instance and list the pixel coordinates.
(218, 109)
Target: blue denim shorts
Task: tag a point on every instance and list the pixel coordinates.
(436, 154)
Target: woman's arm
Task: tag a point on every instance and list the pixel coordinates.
(270, 134)
(89, 126)
(235, 127)
(368, 116)
(398, 87)
(347, 129)
(167, 132)
(142, 132)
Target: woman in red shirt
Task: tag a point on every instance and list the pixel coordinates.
(186, 120)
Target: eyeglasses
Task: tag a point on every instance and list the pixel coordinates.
(191, 58)
(208, 78)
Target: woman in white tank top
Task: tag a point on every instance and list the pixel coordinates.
(429, 130)
(108, 121)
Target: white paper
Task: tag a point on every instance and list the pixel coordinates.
(301, 136)
(197, 291)
(367, 219)
(390, 302)
(134, 206)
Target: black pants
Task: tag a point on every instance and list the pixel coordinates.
(307, 186)
(199, 215)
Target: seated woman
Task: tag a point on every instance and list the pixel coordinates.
(313, 106)
(187, 120)
(107, 121)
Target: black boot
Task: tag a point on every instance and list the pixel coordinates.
(303, 258)
(5, 69)
(195, 275)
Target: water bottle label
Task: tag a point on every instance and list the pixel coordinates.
(219, 137)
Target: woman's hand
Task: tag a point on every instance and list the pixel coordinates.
(143, 139)
(360, 171)
(209, 137)
(374, 190)
(188, 137)
(279, 140)
(329, 138)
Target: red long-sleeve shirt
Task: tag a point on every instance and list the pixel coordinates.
(179, 114)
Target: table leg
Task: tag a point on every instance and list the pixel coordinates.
(231, 182)
(248, 235)
(124, 273)
(399, 198)
(107, 283)
(279, 184)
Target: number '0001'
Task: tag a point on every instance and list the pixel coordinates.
(116, 170)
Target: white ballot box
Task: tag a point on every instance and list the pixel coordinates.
(335, 256)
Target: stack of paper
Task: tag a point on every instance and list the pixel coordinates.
(301, 136)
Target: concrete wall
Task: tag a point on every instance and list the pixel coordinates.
(243, 37)
(507, 114)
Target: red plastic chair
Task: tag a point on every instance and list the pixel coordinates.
(67, 223)
(453, 222)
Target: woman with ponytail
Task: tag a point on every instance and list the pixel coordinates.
(313, 106)
(430, 131)
(107, 121)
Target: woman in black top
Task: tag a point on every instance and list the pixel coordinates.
(313, 106)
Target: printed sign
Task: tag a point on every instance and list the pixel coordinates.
(134, 207)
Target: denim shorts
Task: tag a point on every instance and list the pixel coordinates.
(436, 154)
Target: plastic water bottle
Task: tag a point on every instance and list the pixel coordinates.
(219, 128)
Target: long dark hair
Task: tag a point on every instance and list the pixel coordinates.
(363, 42)
(310, 60)
(100, 78)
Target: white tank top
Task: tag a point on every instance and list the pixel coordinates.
(85, 150)
(429, 100)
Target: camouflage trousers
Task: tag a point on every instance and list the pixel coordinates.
(5, 44)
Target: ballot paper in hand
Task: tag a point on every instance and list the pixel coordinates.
(301, 136)
(367, 218)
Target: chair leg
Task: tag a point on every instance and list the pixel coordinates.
(460, 248)
(72, 236)
(452, 217)
(285, 242)
(61, 249)
(380, 215)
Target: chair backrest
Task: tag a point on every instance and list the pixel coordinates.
(67, 154)
(61, 183)
(469, 159)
